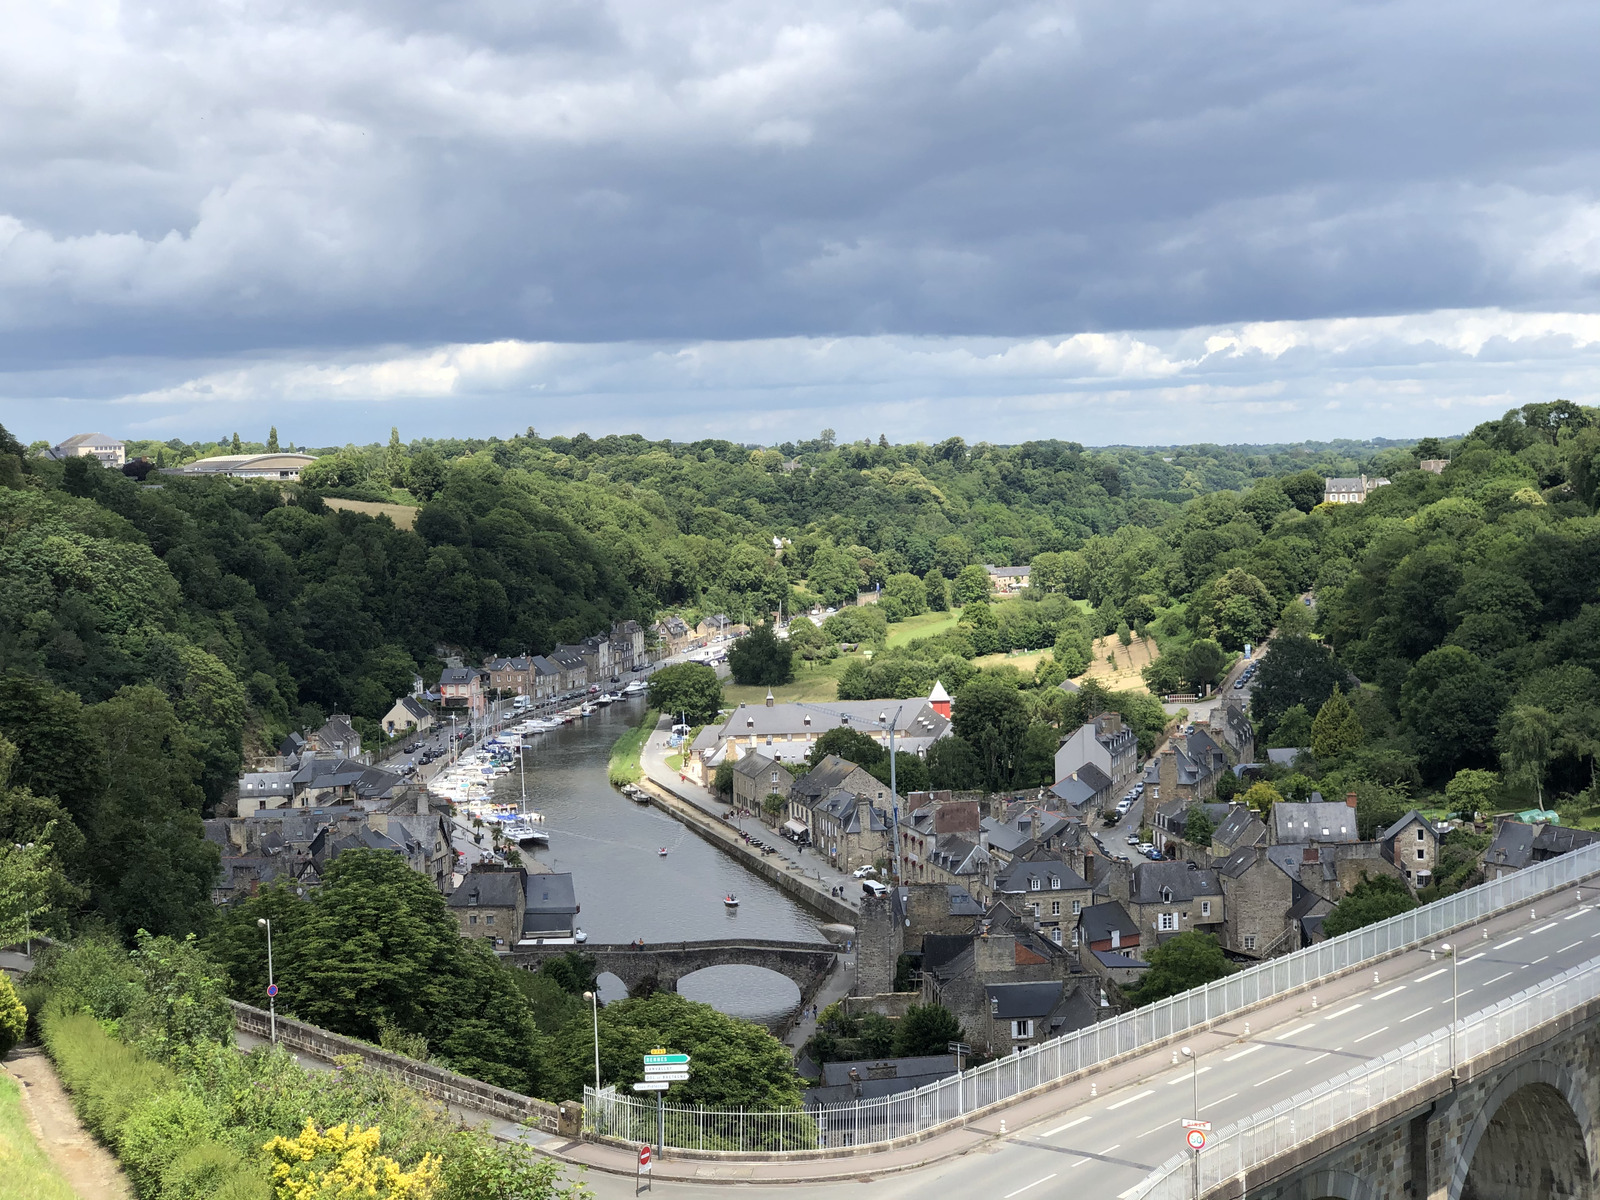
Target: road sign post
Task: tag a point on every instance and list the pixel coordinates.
(641, 1179)
(661, 1070)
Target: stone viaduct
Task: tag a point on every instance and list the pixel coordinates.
(1519, 1124)
(664, 963)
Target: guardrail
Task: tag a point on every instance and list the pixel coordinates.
(1258, 1139)
(912, 1115)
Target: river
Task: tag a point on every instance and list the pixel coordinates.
(627, 890)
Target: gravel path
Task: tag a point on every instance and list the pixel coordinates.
(89, 1167)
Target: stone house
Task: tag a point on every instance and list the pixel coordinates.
(1047, 891)
(627, 647)
(596, 652)
(1412, 845)
(409, 715)
(1517, 845)
(1169, 898)
(1106, 925)
(511, 676)
(755, 777)
(545, 677)
(787, 732)
(490, 904)
(462, 688)
(1084, 791)
(1230, 725)
(1240, 828)
(673, 635)
(1187, 768)
(574, 668)
(1171, 826)
(1350, 490)
(1106, 742)
(961, 973)
(828, 776)
(851, 830)
(336, 737)
(1007, 581)
(1259, 895)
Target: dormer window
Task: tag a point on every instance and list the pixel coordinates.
(1034, 883)
(1166, 895)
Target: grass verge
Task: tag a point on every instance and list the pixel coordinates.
(29, 1174)
(813, 683)
(924, 625)
(624, 764)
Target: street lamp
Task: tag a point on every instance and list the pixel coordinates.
(272, 987)
(594, 999)
(27, 909)
(1455, 1008)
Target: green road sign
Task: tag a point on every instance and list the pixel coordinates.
(654, 1060)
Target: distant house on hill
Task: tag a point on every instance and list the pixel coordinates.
(1351, 490)
(1008, 579)
(108, 450)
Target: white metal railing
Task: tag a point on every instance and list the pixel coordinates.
(1262, 1137)
(885, 1119)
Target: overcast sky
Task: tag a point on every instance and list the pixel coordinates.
(1111, 222)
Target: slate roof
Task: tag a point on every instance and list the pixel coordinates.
(1312, 822)
(487, 889)
(266, 783)
(1517, 844)
(1052, 875)
(919, 725)
(1388, 834)
(1240, 827)
(551, 893)
(1098, 920)
(878, 1078)
(415, 708)
(1183, 879)
(1022, 1001)
(1115, 958)
(754, 765)
(456, 675)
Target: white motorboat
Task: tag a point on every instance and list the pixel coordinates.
(528, 830)
(636, 688)
(730, 901)
(607, 698)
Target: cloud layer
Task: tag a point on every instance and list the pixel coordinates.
(747, 211)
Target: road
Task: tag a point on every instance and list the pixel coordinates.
(1070, 1143)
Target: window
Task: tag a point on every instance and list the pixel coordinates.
(1205, 908)
(1169, 921)
(488, 918)
(1021, 1029)
(1077, 937)
(1055, 883)
(1055, 908)
(774, 779)
(1055, 935)
(1249, 941)
(473, 919)
(1034, 908)
(994, 1007)
(1420, 835)
(1034, 883)
(1077, 907)
(1421, 853)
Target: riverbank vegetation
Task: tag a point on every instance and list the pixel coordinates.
(623, 766)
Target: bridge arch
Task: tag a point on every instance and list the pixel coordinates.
(1334, 1185)
(1530, 1139)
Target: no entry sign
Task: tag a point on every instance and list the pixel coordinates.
(644, 1158)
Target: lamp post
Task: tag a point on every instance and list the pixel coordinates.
(1455, 1009)
(27, 908)
(594, 999)
(1194, 1084)
(272, 986)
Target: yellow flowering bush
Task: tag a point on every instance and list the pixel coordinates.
(343, 1163)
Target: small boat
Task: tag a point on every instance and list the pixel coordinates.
(635, 688)
(730, 901)
(526, 831)
(662, 852)
(607, 698)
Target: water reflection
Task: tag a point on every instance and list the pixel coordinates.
(627, 890)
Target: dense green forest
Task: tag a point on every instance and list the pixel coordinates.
(156, 633)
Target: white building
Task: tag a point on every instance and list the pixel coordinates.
(283, 465)
(1350, 491)
(108, 450)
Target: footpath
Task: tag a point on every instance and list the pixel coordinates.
(88, 1167)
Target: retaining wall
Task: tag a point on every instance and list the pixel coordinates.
(444, 1086)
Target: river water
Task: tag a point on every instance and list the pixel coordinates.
(627, 890)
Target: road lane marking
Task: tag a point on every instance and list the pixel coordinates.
(1564, 949)
(1418, 1013)
(1341, 1012)
(1508, 942)
(1390, 992)
(1537, 961)
(1152, 1129)
(1130, 1100)
(1365, 1036)
(1181, 1079)
(1282, 1037)
(1324, 1054)
(1035, 1183)
(1214, 1103)
(1592, 936)
(1270, 1078)
(1481, 953)
(1109, 1149)
(1064, 1128)
(1498, 978)
(1579, 913)
(1464, 991)
(1541, 928)
(1242, 1053)
(1431, 974)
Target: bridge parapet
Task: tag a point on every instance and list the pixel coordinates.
(1241, 1158)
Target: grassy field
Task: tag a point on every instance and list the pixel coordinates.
(817, 684)
(26, 1173)
(404, 516)
(1023, 661)
(624, 765)
(926, 625)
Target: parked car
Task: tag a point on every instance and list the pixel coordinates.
(1133, 839)
(863, 872)
(1153, 854)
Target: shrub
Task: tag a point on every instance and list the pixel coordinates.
(13, 1016)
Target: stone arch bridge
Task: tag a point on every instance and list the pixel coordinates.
(1520, 1124)
(805, 963)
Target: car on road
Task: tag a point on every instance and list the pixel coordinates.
(1133, 839)
(863, 872)
(1153, 854)
(1145, 847)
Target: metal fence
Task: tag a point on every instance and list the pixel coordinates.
(865, 1122)
(1262, 1137)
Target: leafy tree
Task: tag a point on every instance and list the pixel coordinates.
(979, 621)
(574, 972)
(1527, 733)
(937, 590)
(722, 780)
(13, 1016)
(1180, 963)
(971, 583)
(185, 999)
(926, 1029)
(691, 690)
(1241, 609)
(1293, 730)
(1450, 702)
(425, 474)
(1295, 620)
(990, 716)
(760, 657)
(1048, 572)
(1261, 796)
(1197, 827)
(805, 639)
(954, 764)
(1202, 664)
(849, 744)
(1374, 899)
(1336, 730)
(1469, 791)
(904, 595)
(1294, 670)
(1304, 489)
(272, 440)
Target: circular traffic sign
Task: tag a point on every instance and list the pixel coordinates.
(272, 989)
(644, 1156)
(1197, 1139)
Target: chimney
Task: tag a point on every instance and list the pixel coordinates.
(1309, 854)
(769, 697)
(1350, 799)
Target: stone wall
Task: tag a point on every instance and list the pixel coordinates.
(880, 940)
(458, 1091)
